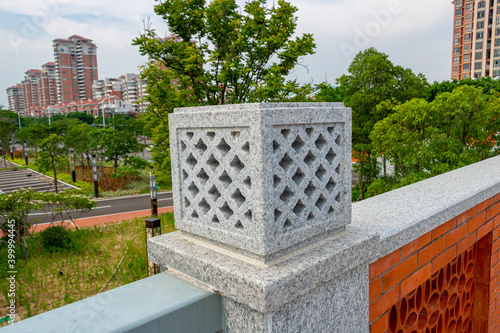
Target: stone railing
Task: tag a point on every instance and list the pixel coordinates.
(263, 206)
(269, 241)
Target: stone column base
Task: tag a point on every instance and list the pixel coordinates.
(320, 288)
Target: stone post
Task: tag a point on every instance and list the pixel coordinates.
(262, 199)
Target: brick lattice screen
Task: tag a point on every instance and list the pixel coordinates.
(447, 280)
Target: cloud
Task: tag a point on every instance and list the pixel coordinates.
(416, 35)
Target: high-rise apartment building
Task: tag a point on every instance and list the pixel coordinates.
(47, 85)
(15, 94)
(31, 90)
(476, 39)
(76, 68)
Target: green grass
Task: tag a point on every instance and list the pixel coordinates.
(86, 266)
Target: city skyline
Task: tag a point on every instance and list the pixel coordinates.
(340, 28)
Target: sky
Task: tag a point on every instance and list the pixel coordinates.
(414, 34)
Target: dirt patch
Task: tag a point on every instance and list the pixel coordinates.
(106, 181)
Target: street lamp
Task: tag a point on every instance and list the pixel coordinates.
(19, 116)
(48, 109)
(102, 109)
(72, 162)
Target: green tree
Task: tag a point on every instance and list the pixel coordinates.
(8, 120)
(51, 155)
(425, 139)
(328, 93)
(373, 79)
(219, 54)
(63, 206)
(118, 145)
(82, 117)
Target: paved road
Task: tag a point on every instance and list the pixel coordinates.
(117, 205)
(11, 180)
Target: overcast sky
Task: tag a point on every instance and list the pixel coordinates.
(415, 34)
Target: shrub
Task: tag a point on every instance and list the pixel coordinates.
(55, 239)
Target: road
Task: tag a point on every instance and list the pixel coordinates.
(117, 205)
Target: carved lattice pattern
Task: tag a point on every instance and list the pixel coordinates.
(215, 177)
(307, 174)
(443, 303)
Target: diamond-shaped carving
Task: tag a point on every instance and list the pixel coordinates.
(225, 179)
(276, 145)
(248, 182)
(205, 207)
(320, 142)
(309, 131)
(202, 175)
(183, 146)
(246, 147)
(331, 210)
(338, 197)
(191, 161)
(310, 217)
(237, 164)
(310, 158)
(235, 135)
(285, 132)
(194, 215)
(286, 195)
(212, 162)
(211, 135)
(226, 210)
(214, 193)
(286, 162)
(310, 189)
(223, 147)
(277, 181)
(215, 219)
(330, 186)
(238, 225)
(187, 203)
(190, 135)
(193, 189)
(277, 214)
(321, 172)
(238, 197)
(330, 156)
(330, 129)
(337, 169)
(184, 175)
(287, 225)
(337, 140)
(321, 202)
(298, 143)
(299, 208)
(201, 146)
(248, 215)
(299, 175)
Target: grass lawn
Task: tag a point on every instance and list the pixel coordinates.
(47, 281)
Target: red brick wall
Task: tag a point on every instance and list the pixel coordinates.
(398, 274)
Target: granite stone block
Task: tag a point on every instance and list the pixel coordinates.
(262, 179)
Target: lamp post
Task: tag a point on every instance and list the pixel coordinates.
(102, 109)
(25, 146)
(19, 117)
(72, 163)
(154, 197)
(94, 171)
(48, 109)
(11, 149)
(153, 229)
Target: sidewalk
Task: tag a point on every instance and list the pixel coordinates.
(105, 219)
